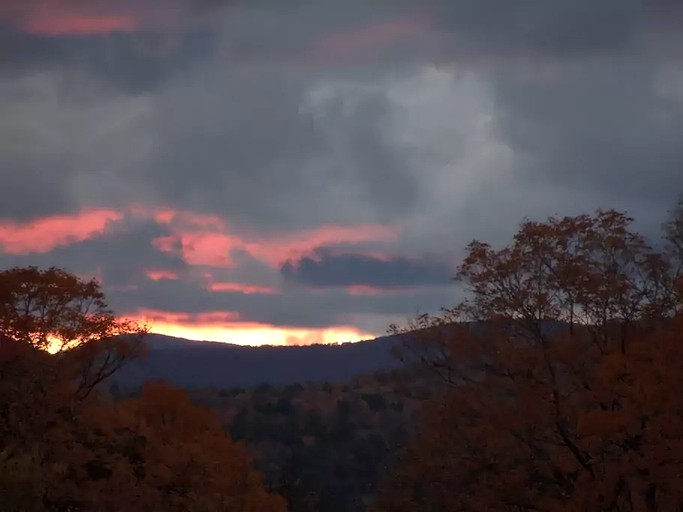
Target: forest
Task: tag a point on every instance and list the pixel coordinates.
(554, 385)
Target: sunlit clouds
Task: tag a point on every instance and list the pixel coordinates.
(160, 274)
(212, 255)
(206, 240)
(200, 240)
(44, 234)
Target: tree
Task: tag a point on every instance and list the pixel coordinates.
(55, 311)
(591, 270)
(673, 231)
(157, 451)
(607, 438)
(65, 446)
(561, 368)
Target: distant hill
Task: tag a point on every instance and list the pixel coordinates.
(206, 364)
(195, 364)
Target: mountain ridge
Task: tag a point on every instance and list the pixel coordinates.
(196, 364)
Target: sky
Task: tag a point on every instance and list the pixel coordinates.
(293, 172)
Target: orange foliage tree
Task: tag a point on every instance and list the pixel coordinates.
(563, 370)
(64, 446)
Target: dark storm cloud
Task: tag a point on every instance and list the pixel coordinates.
(231, 110)
(585, 95)
(260, 156)
(28, 191)
(554, 28)
(129, 63)
(602, 126)
(327, 269)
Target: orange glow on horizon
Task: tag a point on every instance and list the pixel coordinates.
(225, 327)
(45, 234)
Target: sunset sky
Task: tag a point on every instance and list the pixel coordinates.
(290, 172)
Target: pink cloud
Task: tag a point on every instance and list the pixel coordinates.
(43, 235)
(160, 274)
(197, 248)
(199, 239)
(207, 240)
(279, 249)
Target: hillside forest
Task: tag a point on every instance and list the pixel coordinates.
(554, 385)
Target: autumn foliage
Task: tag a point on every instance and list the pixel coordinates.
(563, 371)
(64, 446)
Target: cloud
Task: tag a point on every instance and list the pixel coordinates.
(45, 234)
(207, 240)
(78, 24)
(156, 274)
(321, 151)
(293, 307)
(326, 269)
(242, 288)
(599, 123)
(199, 240)
(364, 289)
(55, 19)
(547, 28)
(364, 41)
